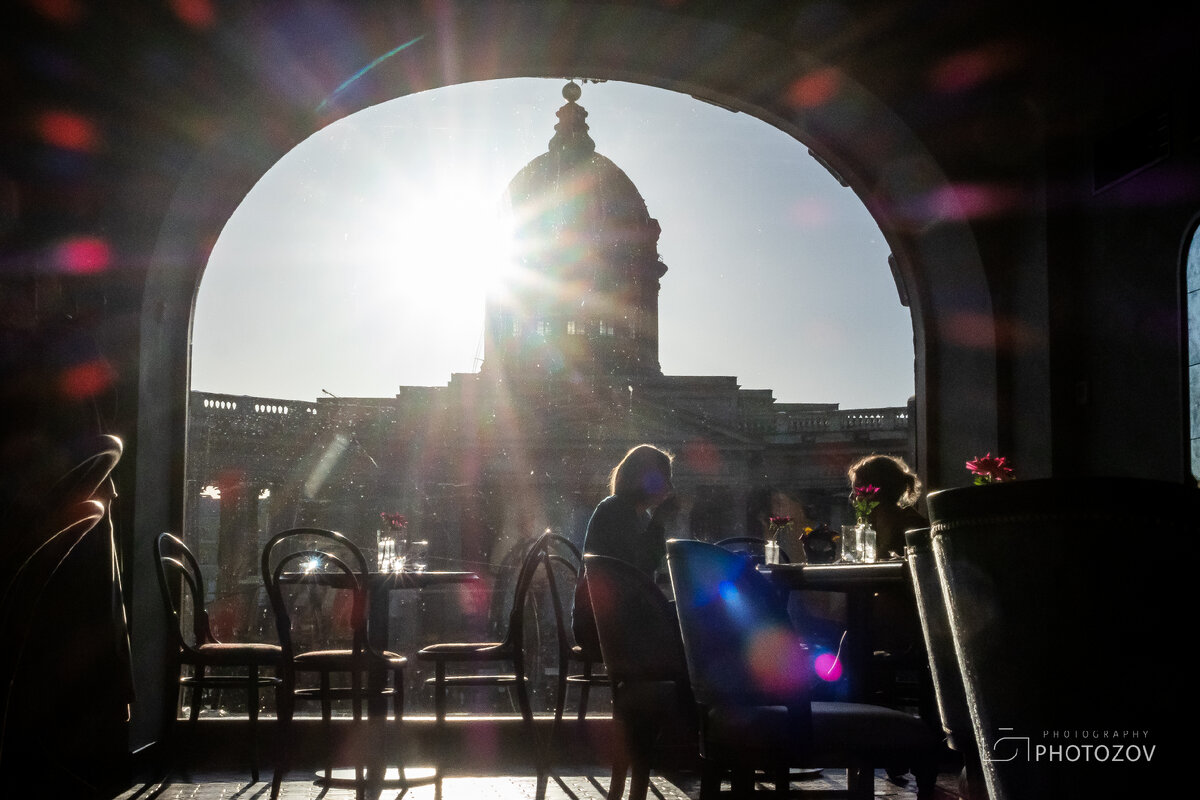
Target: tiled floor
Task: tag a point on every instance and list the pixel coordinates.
(574, 787)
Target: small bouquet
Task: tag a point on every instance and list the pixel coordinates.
(777, 525)
(864, 499)
(394, 522)
(990, 469)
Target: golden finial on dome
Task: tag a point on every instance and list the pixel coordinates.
(570, 134)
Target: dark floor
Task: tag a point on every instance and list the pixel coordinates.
(589, 786)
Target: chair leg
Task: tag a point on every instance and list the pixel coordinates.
(860, 783)
(361, 753)
(252, 713)
(327, 724)
(527, 715)
(710, 781)
(439, 710)
(398, 711)
(639, 781)
(741, 782)
(584, 692)
(285, 703)
(639, 778)
(641, 732)
(553, 756)
(197, 697)
(783, 781)
(620, 765)
(926, 775)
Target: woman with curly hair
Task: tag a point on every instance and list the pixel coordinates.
(899, 492)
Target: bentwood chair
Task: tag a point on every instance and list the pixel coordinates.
(949, 694)
(81, 482)
(585, 651)
(61, 577)
(21, 598)
(211, 664)
(640, 641)
(317, 581)
(752, 677)
(549, 554)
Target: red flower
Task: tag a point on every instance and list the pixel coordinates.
(779, 522)
(393, 521)
(990, 469)
(863, 498)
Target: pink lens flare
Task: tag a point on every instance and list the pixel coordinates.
(828, 667)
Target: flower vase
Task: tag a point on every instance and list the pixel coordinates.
(849, 544)
(383, 551)
(771, 550)
(865, 542)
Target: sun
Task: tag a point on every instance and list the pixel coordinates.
(447, 247)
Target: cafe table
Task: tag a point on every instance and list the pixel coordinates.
(860, 582)
(380, 585)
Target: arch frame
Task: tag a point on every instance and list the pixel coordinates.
(724, 60)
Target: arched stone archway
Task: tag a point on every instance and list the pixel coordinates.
(736, 64)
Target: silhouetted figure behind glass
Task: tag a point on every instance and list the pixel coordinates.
(899, 491)
(629, 524)
(895, 627)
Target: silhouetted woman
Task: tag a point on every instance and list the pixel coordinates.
(629, 524)
(899, 491)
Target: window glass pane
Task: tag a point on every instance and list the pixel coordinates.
(1193, 323)
(309, 405)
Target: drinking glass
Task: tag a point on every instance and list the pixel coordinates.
(771, 551)
(418, 555)
(850, 546)
(384, 552)
(400, 556)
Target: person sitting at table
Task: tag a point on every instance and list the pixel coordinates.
(895, 631)
(899, 491)
(629, 524)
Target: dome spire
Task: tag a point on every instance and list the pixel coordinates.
(582, 227)
(571, 132)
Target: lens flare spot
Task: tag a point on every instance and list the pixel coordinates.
(702, 456)
(197, 13)
(83, 255)
(971, 68)
(86, 380)
(812, 213)
(828, 667)
(971, 329)
(68, 130)
(728, 591)
(66, 12)
(972, 201)
(776, 659)
(814, 89)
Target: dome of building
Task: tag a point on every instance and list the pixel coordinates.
(589, 250)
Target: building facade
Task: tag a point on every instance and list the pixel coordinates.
(570, 381)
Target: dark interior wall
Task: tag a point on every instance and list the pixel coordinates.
(1048, 318)
(1130, 172)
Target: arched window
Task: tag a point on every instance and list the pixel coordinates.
(1193, 347)
(778, 316)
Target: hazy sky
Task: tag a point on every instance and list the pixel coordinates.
(359, 262)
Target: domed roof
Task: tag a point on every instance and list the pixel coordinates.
(586, 301)
(571, 196)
